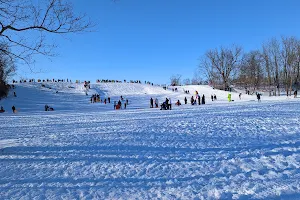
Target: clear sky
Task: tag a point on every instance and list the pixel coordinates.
(154, 39)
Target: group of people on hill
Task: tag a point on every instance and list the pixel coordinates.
(48, 108)
(87, 85)
(213, 97)
(197, 99)
(115, 81)
(122, 103)
(124, 81)
(166, 105)
(186, 91)
(95, 98)
(108, 81)
(14, 110)
(42, 80)
(152, 102)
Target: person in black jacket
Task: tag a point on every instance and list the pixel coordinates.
(151, 103)
(203, 99)
(167, 103)
(13, 109)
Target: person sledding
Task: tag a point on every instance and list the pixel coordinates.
(163, 106)
(178, 103)
(48, 108)
(119, 105)
(2, 109)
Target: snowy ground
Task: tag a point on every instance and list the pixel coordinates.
(236, 150)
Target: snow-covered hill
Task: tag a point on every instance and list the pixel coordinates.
(31, 97)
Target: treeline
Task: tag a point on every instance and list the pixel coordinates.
(274, 67)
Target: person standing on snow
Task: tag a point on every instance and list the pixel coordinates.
(156, 103)
(229, 97)
(192, 100)
(151, 103)
(167, 103)
(203, 99)
(185, 100)
(13, 109)
(258, 97)
(170, 104)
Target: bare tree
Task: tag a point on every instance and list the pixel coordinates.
(275, 59)
(266, 59)
(186, 81)
(251, 71)
(25, 24)
(197, 79)
(175, 80)
(296, 84)
(221, 63)
(289, 61)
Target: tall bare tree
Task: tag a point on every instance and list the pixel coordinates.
(25, 24)
(251, 70)
(175, 80)
(289, 61)
(275, 57)
(186, 81)
(269, 70)
(221, 63)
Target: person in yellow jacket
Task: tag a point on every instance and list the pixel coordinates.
(229, 97)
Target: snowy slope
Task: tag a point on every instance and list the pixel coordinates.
(32, 97)
(237, 150)
(222, 95)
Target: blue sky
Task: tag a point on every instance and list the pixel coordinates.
(154, 39)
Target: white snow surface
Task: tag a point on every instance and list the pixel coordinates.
(221, 150)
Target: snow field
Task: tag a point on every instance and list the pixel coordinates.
(237, 150)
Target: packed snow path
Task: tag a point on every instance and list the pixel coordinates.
(204, 152)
